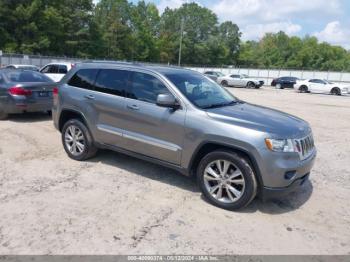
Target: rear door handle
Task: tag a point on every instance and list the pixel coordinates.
(133, 107)
(91, 97)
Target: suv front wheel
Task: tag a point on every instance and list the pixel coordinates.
(227, 179)
(77, 141)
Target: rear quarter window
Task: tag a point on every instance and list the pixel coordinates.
(84, 78)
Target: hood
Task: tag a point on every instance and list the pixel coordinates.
(280, 124)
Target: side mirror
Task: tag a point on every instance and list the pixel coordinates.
(167, 100)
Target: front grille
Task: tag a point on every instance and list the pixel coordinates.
(305, 146)
(261, 82)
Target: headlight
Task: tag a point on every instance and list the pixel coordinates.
(280, 145)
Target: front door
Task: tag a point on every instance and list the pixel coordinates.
(149, 129)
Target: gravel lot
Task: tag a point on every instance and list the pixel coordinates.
(115, 204)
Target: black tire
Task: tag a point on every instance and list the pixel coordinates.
(3, 115)
(303, 89)
(224, 83)
(279, 86)
(89, 147)
(251, 85)
(250, 188)
(336, 91)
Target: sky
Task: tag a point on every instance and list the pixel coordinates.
(328, 20)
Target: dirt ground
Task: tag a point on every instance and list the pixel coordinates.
(115, 204)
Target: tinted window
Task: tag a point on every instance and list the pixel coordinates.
(145, 87)
(317, 81)
(62, 69)
(209, 73)
(235, 76)
(84, 78)
(112, 81)
(26, 76)
(50, 69)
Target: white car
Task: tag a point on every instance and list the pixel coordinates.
(240, 81)
(56, 71)
(24, 67)
(322, 87)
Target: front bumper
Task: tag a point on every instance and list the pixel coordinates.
(285, 175)
(269, 193)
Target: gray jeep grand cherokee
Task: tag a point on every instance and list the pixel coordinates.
(181, 119)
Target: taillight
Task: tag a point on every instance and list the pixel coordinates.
(55, 91)
(20, 91)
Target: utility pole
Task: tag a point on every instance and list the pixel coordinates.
(181, 37)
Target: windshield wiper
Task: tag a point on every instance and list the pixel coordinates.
(233, 102)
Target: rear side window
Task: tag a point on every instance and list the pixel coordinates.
(62, 69)
(145, 87)
(84, 78)
(50, 69)
(112, 81)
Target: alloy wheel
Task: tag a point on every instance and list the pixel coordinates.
(224, 181)
(74, 140)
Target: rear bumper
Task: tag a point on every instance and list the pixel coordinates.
(19, 107)
(269, 193)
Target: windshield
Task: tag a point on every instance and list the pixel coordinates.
(245, 76)
(220, 74)
(328, 82)
(201, 91)
(26, 76)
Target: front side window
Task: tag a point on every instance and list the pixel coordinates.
(111, 81)
(84, 78)
(145, 87)
(201, 91)
(235, 76)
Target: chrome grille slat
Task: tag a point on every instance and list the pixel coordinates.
(306, 146)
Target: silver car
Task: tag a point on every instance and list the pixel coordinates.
(181, 119)
(24, 91)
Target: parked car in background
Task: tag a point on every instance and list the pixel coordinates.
(181, 119)
(56, 71)
(213, 75)
(284, 82)
(237, 80)
(26, 67)
(321, 86)
(24, 91)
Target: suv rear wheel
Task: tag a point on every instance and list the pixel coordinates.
(227, 179)
(77, 140)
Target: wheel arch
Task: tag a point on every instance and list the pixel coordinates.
(207, 147)
(67, 114)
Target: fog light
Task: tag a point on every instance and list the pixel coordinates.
(290, 175)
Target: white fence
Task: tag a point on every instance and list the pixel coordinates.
(269, 74)
(265, 74)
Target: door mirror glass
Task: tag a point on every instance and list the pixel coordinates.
(167, 100)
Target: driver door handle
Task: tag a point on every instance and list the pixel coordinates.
(133, 107)
(91, 97)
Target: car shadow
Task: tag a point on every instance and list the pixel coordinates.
(285, 204)
(168, 176)
(30, 117)
(146, 169)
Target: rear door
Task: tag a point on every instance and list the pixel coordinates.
(149, 129)
(108, 103)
